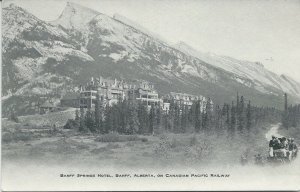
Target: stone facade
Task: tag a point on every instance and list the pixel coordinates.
(112, 91)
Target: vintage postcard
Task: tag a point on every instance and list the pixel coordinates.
(150, 95)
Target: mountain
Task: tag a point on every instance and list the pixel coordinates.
(42, 60)
(38, 59)
(139, 27)
(254, 71)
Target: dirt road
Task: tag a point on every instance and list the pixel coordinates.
(273, 131)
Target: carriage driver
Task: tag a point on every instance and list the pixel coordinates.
(271, 146)
(293, 148)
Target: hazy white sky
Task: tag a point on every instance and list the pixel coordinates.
(259, 30)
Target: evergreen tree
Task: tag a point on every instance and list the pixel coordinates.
(240, 114)
(77, 118)
(164, 125)
(232, 120)
(152, 119)
(204, 121)
(207, 116)
(293, 116)
(237, 102)
(197, 116)
(122, 113)
(14, 117)
(171, 117)
(209, 110)
(97, 115)
(82, 126)
(89, 121)
(285, 102)
(227, 115)
(218, 120)
(177, 119)
(101, 114)
(285, 115)
(143, 118)
(184, 118)
(107, 119)
(248, 116)
(133, 125)
(115, 118)
(159, 117)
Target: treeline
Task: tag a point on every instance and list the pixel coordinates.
(290, 115)
(132, 117)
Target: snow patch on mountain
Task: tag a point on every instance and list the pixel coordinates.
(190, 70)
(118, 56)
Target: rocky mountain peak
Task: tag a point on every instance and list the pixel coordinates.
(14, 12)
(40, 57)
(76, 8)
(15, 20)
(75, 16)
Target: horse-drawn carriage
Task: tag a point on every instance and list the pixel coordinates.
(282, 150)
(281, 157)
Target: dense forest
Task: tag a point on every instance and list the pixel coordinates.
(239, 117)
(290, 115)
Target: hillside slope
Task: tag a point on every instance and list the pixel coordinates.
(254, 71)
(46, 59)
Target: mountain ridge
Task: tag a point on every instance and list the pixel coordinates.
(61, 55)
(233, 65)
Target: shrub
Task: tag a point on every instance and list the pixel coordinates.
(83, 147)
(129, 144)
(64, 149)
(174, 143)
(19, 136)
(14, 118)
(110, 137)
(199, 151)
(131, 138)
(144, 139)
(101, 150)
(16, 136)
(115, 137)
(193, 140)
(162, 150)
(7, 138)
(71, 124)
(113, 146)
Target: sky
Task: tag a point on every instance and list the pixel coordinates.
(267, 31)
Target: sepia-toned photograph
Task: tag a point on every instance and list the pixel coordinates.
(105, 95)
